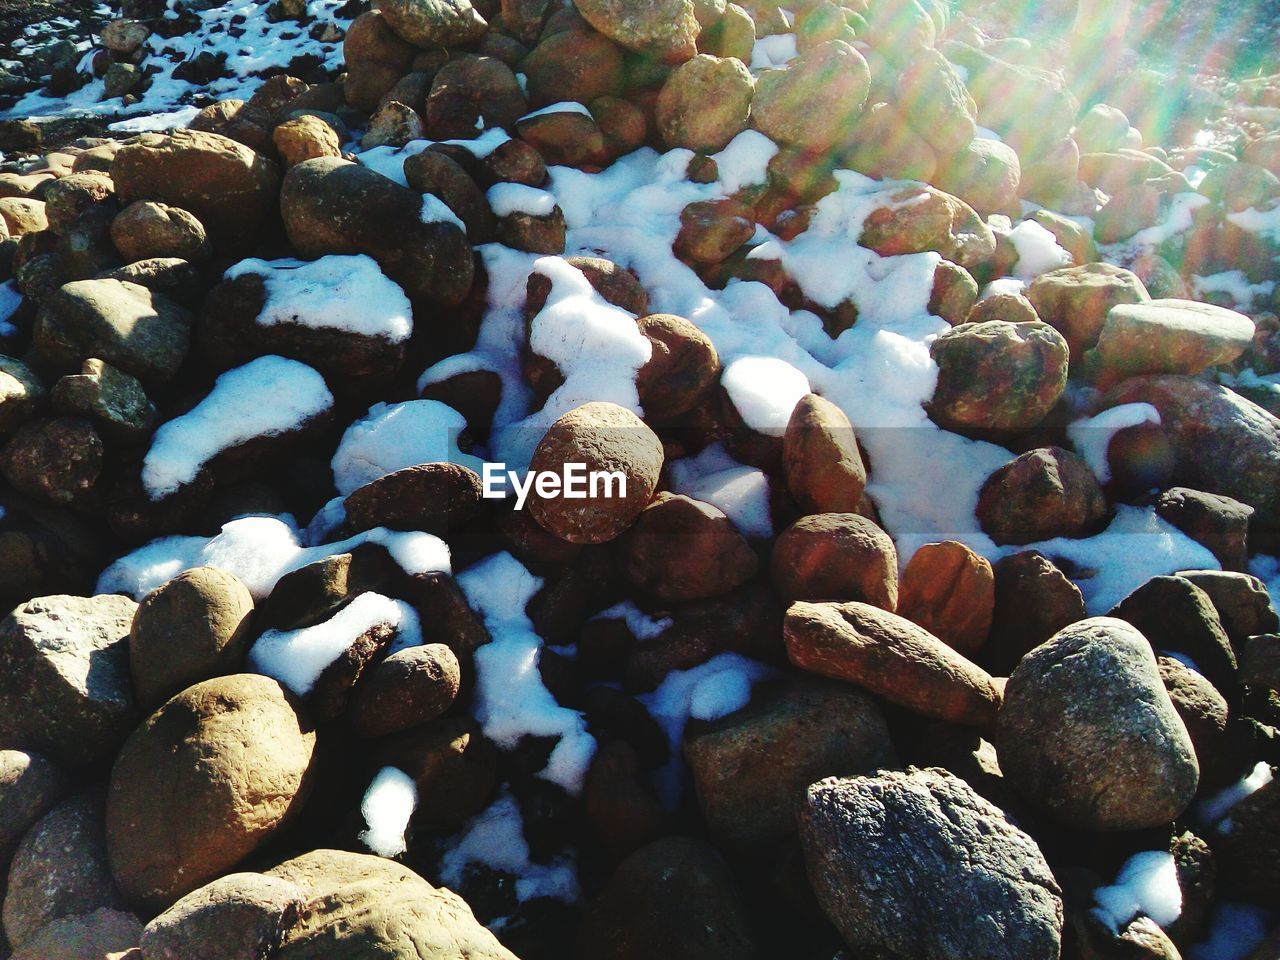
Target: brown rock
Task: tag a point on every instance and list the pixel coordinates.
(393, 124)
(1033, 601)
(565, 138)
(434, 23)
(1006, 307)
(883, 145)
(682, 549)
(955, 292)
(984, 174)
(704, 103)
(574, 65)
(820, 458)
(432, 497)
(1076, 300)
(20, 393)
(1204, 713)
(146, 229)
(55, 461)
(471, 90)
(434, 172)
(916, 219)
(815, 99)
(950, 591)
(376, 58)
(237, 916)
(1045, 493)
(836, 556)
(75, 194)
(892, 658)
(29, 787)
(101, 935)
(305, 138)
(681, 369)
(666, 29)
(934, 101)
(621, 807)
(23, 215)
(408, 688)
(711, 230)
(204, 782)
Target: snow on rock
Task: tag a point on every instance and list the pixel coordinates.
(1214, 810)
(435, 210)
(266, 397)
(1038, 250)
(389, 161)
(337, 292)
(508, 198)
(775, 50)
(259, 550)
(387, 806)
(1147, 885)
(745, 161)
(393, 436)
(764, 391)
(740, 492)
(1091, 436)
(564, 106)
(511, 701)
(297, 657)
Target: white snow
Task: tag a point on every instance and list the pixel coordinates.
(1234, 284)
(1091, 436)
(1013, 286)
(10, 299)
(265, 397)
(393, 436)
(1177, 220)
(511, 701)
(745, 161)
(775, 50)
(714, 477)
(1147, 885)
(387, 806)
(495, 839)
(764, 391)
(1038, 250)
(333, 293)
(435, 210)
(508, 198)
(389, 161)
(297, 657)
(641, 625)
(156, 122)
(259, 551)
(1213, 810)
(564, 106)
(1258, 221)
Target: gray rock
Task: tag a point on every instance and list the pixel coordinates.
(919, 865)
(29, 787)
(64, 677)
(114, 401)
(101, 935)
(1088, 733)
(1217, 523)
(238, 916)
(1242, 601)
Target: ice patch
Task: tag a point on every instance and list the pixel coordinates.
(1147, 885)
(333, 293)
(1092, 436)
(387, 806)
(266, 397)
(393, 436)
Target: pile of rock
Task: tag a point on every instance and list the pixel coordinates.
(945, 758)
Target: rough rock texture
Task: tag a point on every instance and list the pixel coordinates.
(815, 99)
(64, 677)
(235, 917)
(891, 657)
(101, 934)
(820, 458)
(666, 29)
(1076, 300)
(1088, 733)
(950, 591)
(916, 219)
(1219, 523)
(836, 556)
(29, 786)
(1047, 492)
(434, 23)
(408, 688)
(360, 907)
(704, 103)
(1242, 601)
(1034, 600)
(918, 864)
(432, 497)
(203, 783)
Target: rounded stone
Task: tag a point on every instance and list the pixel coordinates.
(836, 556)
(704, 103)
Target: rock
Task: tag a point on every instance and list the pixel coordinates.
(228, 187)
(169, 276)
(892, 658)
(820, 458)
(1129, 210)
(751, 769)
(879, 848)
(146, 229)
(196, 626)
(59, 870)
(55, 461)
(1242, 602)
(711, 230)
(1047, 492)
(934, 101)
(360, 906)
(434, 172)
(1218, 523)
(1076, 300)
(674, 898)
(1248, 854)
(29, 787)
(1260, 662)
(124, 36)
(916, 219)
(1204, 712)
(408, 688)
(332, 206)
(114, 401)
(564, 138)
(578, 66)
(84, 250)
(23, 215)
(1179, 616)
(141, 332)
(984, 174)
(431, 497)
(682, 367)
(815, 98)
(683, 549)
(665, 29)
(75, 194)
(836, 556)
(1165, 336)
(950, 591)
(704, 103)
(64, 681)
(1101, 129)
(1210, 427)
(997, 375)
(44, 551)
(1033, 601)
(204, 782)
(533, 234)
(120, 80)
(376, 59)
(434, 23)
(608, 440)
(21, 393)
(240, 915)
(1239, 186)
(470, 93)
(317, 590)
(1088, 733)
(393, 125)
(620, 803)
(1005, 307)
(305, 138)
(883, 145)
(91, 936)
(234, 120)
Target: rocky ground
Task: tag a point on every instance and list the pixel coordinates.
(937, 350)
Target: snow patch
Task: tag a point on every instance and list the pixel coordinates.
(1147, 886)
(1092, 436)
(393, 436)
(387, 806)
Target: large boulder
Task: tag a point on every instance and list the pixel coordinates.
(917, 864)
(950, 591)
(235, 917)
(64, 677)
(205, 781)
(918, 219)
(104, 933)
(230, 188)
(984, 174)
(360, 907)
(815, 99)
(705, 103)
(29, 786)
(1047, 492)
(892, 658)
(1089, 735)
(140, 331)
(1076, 300)
(836, 556)
(330, 205)
(434, 23)
(664, 29)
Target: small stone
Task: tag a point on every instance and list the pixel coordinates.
(113, 400)
(121, 80)
(682, 367)
(304, 138)
(892, 658)
(711, 230)
(1088, 733)
(836, 556)
(564, 138)
(124, 36)
(408, 688)
(431, 497)
(1047, 492)
(393, 125)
